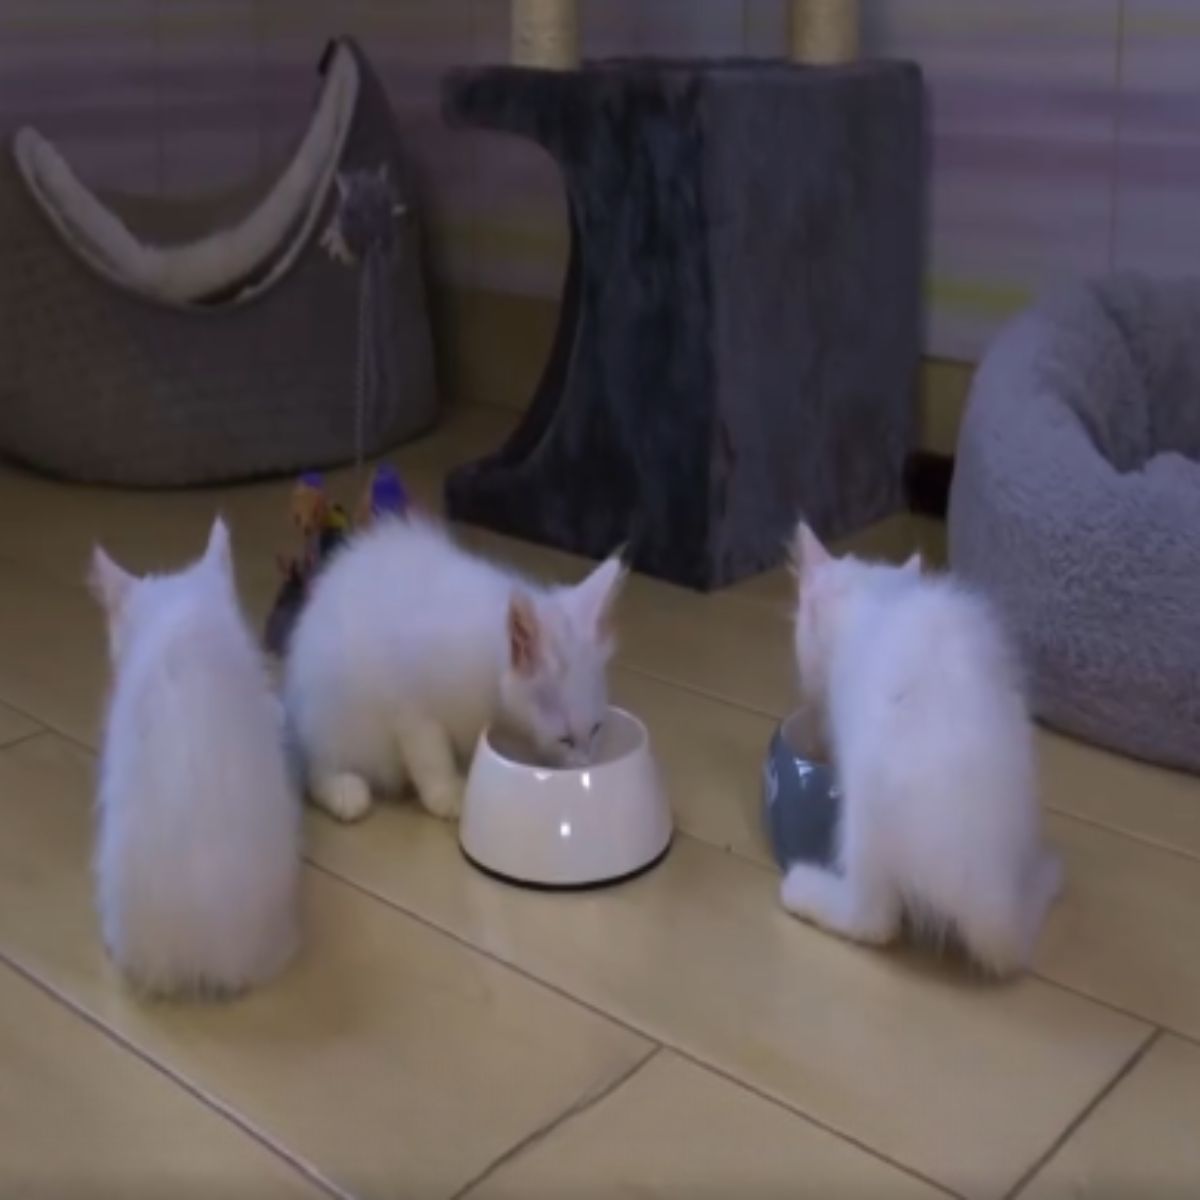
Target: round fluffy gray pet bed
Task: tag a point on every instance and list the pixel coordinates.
(162, 341)
(1076, 506)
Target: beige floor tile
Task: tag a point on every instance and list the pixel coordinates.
(711, 755)
(698, 954)
(15, 725)
(733, 651)
(79, 1115)
(1140, 1141)
(396, 1060)
(683, 1131)
(53, 659)
(145, 530)
(467, 432)
(1131, 797)
(671, 632)
(1126, 930)
(161, 530)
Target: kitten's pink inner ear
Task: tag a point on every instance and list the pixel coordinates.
(524, 635)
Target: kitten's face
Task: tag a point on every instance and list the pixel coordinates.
(827, 587)
(129, 602)
(555, 690)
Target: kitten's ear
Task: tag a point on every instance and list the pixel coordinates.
(109, 583)
(593, 600)
(808, 555)
(524, 634)
(915, 564)
(218, 553)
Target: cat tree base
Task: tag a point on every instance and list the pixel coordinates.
(739, 335)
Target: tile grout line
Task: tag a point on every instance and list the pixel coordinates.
(1128, 1013)
(1084, 1113)
(583, 1104)
(1139, 839)
(817, 1123)
(717, 847)
(629, 1027)
(22, 738)
(728, 851)
(206, 1099)
(695, 689)
(746, 860)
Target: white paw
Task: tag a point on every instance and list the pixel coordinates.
(444, 801)
(797, 890)
(346, 797)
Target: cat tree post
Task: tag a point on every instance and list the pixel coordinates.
(740, 326)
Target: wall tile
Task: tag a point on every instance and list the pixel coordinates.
(1157, 227)
(211, 126)
(1023, 127)
(765, 28)
(83, 74)
(673, 28)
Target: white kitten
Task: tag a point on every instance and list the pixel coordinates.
(409, 646)
(198, 857)
(932, 741)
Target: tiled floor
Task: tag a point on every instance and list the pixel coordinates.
(442, 1035)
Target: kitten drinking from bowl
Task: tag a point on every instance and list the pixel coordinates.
(409, 647)
(938, 818)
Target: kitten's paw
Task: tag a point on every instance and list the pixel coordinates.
(444, 801)
(344, 796)
(827, 899)
(798, 891)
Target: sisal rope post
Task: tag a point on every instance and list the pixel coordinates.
(545, 33)
(824, 32)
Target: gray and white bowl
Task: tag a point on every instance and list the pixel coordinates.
(801, 798)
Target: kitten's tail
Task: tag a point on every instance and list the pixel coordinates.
(1001, 934)
(1047, 883)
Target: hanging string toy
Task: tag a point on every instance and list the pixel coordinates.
(362, 235)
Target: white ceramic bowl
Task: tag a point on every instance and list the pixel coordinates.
(572, 828)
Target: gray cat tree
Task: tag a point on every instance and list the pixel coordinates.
(740, 326)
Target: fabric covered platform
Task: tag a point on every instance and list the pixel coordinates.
(739, 335)
(1076, 506)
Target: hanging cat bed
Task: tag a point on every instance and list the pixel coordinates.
(154, 341)
(1076, 506)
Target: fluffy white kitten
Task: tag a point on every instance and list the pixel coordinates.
(933, 744)
(409, 646)
(198, 856)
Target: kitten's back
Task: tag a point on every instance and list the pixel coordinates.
(943, 746)
(401, 618)
(198, 851)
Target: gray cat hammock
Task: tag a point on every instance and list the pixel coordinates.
(739, 332)
(169, 341)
